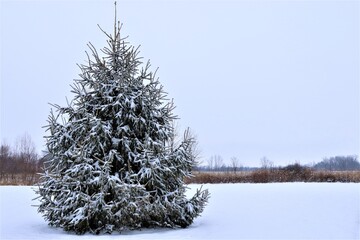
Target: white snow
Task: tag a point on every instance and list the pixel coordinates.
(235, 211)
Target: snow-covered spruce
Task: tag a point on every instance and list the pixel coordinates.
(113, 162)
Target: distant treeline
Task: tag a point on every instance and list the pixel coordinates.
(20, 164)
(337, 163)
(334, 169)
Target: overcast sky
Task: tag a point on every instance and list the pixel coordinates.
(251, 78)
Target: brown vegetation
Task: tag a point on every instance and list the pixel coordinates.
(275, 175)
(257, 176)
(20, 164)
(19, 179)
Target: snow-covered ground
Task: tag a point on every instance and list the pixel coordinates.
(235, 211)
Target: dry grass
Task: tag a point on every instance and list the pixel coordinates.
(268, 176)
(19, 179)
(258, 176)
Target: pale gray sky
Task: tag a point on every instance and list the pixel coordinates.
(251, 78)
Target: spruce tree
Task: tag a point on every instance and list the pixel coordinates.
(113, 163)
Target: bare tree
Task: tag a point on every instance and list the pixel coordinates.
(26, 157)
(218, 162)
(210, 163)
(19, 163)
(266, 164)
(5, 157)
(215, 163)
(235, 164)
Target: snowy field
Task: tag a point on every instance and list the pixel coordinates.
(235, 211)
